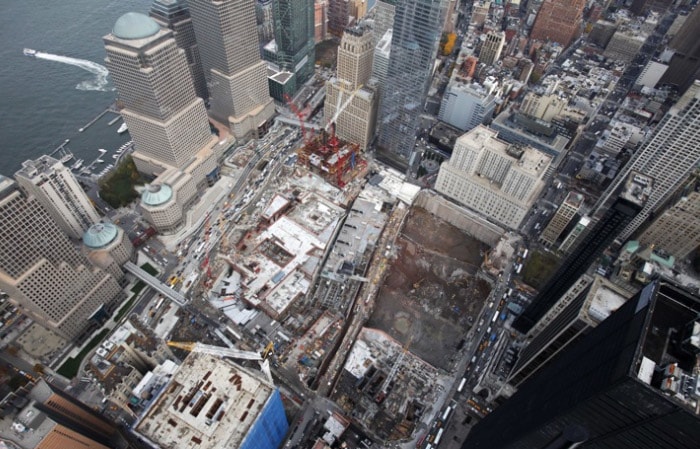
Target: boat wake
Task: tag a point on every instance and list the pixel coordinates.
(99, 83)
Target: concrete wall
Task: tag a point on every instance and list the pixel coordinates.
(464, 219)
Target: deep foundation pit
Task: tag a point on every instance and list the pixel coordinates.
(431, 295)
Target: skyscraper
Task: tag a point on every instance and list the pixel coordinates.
(55, 187)
(631, 383)
(561, 218)
(494, 178)
(466, 106)
(40, 416)
(587, 303)
(684, 67)
(677, 230)
(630, 201)
(492, 46)
(237, 76)
(42, 271)
(356, 122)
(338, 15)
(167, 121)
(175, 15)
(414, 45)
(383, 11)
(558, 21)
(668, 157)
(639, 7)
(215, 404)
(294, 49)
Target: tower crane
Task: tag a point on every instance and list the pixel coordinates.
(220, 351)
(333, 141)
(299, 115)
(394, 369)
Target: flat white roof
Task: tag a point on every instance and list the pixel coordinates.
(210, 403)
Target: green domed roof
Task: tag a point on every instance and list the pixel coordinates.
(135, 25)
(100, 235)
(156, 194)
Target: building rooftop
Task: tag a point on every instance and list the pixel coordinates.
(637, 188)
(384, 44)
(574, 199)
(209, 403)
(667, 355)
(135, 25)
(156, 194)
(100, 235)
(604, 298)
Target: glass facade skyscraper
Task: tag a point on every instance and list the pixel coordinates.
(294, 37)
(628, 384)
(416, 36)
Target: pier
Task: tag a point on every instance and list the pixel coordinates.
(92, 122)
(61, 148)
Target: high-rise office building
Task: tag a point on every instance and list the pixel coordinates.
(228, 42)
(630, 201)
(265, 21)
(383, 12)
(382, 54)
(677, 230)
(558, 21)
(355, 123)
(215, 404)
(668, 157)
(166, 119)
(684, 67)
(491, 47)
(586, 304)
(493, 177)
(293, 51)
(338, 16)
(55, 187)
(641, 7)
(41, 416)
(562, 217)
(175, 16)
(414, 45)
(631, 383)
(42, 272)
(467, 105)
(320, 20)
(574, 237)
(624, 45)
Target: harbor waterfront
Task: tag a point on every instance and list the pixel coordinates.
(50, 95)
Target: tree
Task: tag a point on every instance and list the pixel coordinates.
(449, 44)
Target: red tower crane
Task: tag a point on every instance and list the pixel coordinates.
(299, 115)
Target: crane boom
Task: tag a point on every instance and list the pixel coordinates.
(340, 107)
(216, 350)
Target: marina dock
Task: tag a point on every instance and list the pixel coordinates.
(92, 122)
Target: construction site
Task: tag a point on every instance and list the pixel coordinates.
(429, 300)
(323, 153)
(432, 294)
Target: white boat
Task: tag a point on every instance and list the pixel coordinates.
(122, 129)
(114, 156)
(29, 52)
(66, 157)
(99, 161)
(78, 164)
(102, 150)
